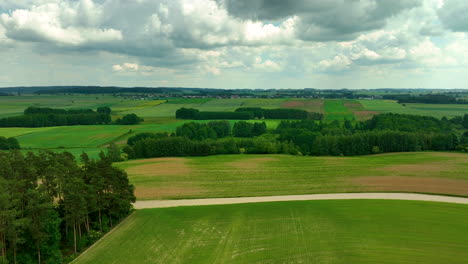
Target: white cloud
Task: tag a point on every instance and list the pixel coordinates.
(58, 23)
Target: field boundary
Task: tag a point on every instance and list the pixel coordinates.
(306, 197)
(104, 236)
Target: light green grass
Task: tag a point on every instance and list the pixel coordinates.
(335, 231)
(336, 110)
(95, 136)
(436, 110)
(262, 175)
(15, 105)
(18, 131)
(205, 104)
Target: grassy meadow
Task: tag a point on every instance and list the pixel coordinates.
(262, 175)
(334, 231)
(435, 110)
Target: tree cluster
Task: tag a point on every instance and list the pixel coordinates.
(50, 205)
(426, 99)
(246, 129)
(8, 143)
(46, 117)
(180, 147)
(383, 133)
(279, 113)
(199, 131)
(246, 113)
(129, 119)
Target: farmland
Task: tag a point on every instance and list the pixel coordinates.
(436, 110)
(353, 231)
(260, 175)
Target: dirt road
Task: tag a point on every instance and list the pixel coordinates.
(333, 196)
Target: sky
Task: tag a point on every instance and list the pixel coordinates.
(325, 44)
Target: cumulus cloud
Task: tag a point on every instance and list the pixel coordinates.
(454, 15)
(58, 23)
(323, 20)
(219, 38)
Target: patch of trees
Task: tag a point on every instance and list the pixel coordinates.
(129, 119)
(460, 120)
(180, 147)
(45, 117)
(280, 113)
(246, 113)
(408, 123)
(199, 131)
(4, 94)
(51, 206)
(247, 130)
(426, 99)
(374, 142)
(383, 133)
(9, 143)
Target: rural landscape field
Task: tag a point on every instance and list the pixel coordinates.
(233, 132)
(328, 231)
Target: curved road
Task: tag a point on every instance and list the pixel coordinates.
(306, 197)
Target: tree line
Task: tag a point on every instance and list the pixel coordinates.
(280, 113)
(47, 117)
(246, 113)
(51, 206)
(383, 133)
(426, 99)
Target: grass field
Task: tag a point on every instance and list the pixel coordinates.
(352, 231)
(261, 175)
(15, 105)
(18, 131)
(436, 110)
(93, 136)
(337, 110)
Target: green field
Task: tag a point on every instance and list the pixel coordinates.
(93, 136)
(15, 105)
(336, 110)
(352, 231)
(261, 175)
(436, 110)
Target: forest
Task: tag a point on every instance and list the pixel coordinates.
(52, 207)
(383, 133)
(47, 117)
(426, 99)
(246, 113)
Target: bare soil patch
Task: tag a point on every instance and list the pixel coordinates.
(161, 166)
(413, 184)
(364, 115)
(308, 105)
(353, 106)
(252, 163)
(166, 192)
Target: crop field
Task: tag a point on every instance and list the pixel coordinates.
(333, 231)
(337, 110)
(15, 105)
(436, 110)
(93, 136)
(18, 131)
(262, 175)
(310, 105)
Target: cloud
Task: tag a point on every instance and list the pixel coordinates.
(205, 42)
(454, 15)
(57, 23)
(322, 20)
